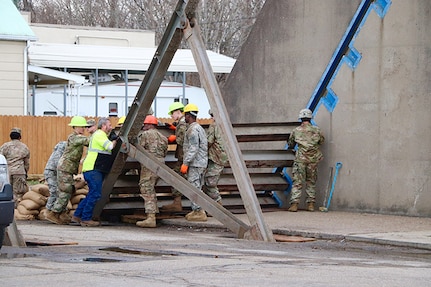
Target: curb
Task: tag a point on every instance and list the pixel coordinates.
(318, 235)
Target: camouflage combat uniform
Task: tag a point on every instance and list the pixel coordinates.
(195, 156)
(180, 132)
(308, 138)
(217, 159)
(156, 144)
(68, 166)
(50, 173)
(17, 156)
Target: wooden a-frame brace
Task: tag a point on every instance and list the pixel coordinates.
(183, 24)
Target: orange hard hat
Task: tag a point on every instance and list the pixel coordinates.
(149, 119)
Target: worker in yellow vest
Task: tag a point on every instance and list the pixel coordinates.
(96, 165)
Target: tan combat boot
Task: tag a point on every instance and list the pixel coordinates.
(197, 216)
(64, 218)
(176, 206)
(90, 223)
(53, 217)
(76, 219)
(293, 207)
(149, 222)
(310, 206)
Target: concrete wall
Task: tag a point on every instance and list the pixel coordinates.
(381, 128)
(12, 77)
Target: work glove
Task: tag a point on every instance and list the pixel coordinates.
(184, 169)
(172, 139)
(171, 126)
(112, 136)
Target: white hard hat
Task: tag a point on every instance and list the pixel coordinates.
(305, 113)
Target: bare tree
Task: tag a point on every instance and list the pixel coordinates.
(24, 5)
(225, 24)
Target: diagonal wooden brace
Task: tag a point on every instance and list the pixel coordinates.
(191, 192)
(193, 36)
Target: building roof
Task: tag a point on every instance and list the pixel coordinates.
(45, 76)
(12, 24)
(117, 58)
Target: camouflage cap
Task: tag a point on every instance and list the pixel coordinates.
(91, 122)
(15, 130)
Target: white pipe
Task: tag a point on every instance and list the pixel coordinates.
(25, 82)
(78, 97)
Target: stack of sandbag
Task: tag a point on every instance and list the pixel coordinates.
(32, 202)
(77, 196)
(81, 190)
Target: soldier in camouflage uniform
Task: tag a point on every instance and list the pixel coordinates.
(195, 158)
(217, 159)
(308, 138)
(50, 173)
(17, 156)
(67, 167)
(156, 144)
(176, 112)
(91, 126)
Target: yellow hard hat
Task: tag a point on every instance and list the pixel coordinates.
(175, 106)
(78, 121)
(191, 108)
(121, 120)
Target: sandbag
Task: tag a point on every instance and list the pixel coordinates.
(36, 197)
(80, 184)
(83, 191)
(41, 189)
(24, 211)
(77, 198)
(19, 216)
(42, 214)
(71, 212)
(29, 204)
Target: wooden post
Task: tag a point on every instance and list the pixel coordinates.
(13, 236)
(193, 36)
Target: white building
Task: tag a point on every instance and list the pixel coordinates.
(66, 59)
(112, 99)
(15, 35)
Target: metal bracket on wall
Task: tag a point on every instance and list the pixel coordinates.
(345, 53)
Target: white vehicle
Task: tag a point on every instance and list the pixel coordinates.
(111, 99)
(6, 199)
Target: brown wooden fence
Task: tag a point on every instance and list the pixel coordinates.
(41, 134)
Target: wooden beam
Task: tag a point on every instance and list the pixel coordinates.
(259, 228)
(165, 52)
(182, 185)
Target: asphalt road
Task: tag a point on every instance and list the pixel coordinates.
(125, 255)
